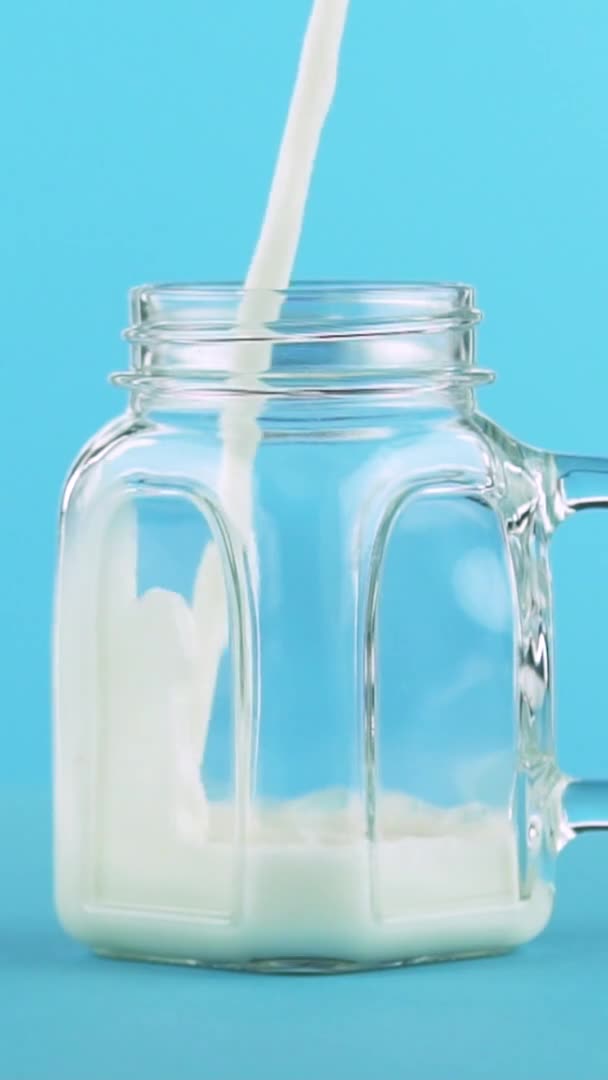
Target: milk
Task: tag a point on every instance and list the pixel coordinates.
(162, 872)
(146, 863)
(172, 877)
(316, 892)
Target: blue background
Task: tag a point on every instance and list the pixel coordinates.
(468, 141)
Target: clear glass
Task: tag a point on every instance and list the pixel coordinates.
(303, 655)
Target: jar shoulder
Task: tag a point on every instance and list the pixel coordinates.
(525, 480)
(130, 448)
(109, 440)
(471, 446)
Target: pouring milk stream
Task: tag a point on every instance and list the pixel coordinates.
(270, 272)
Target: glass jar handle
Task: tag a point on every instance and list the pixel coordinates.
(582, 485)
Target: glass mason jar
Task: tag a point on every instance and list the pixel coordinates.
(303, 656)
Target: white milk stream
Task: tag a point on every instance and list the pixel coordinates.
(269, 273)
(169, 875)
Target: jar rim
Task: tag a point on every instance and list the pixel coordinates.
(305, 312)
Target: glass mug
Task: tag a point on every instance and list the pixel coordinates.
(303, 656)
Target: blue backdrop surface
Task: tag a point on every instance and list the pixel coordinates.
(467, 142)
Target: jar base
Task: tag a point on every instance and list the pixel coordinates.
(302, 965)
